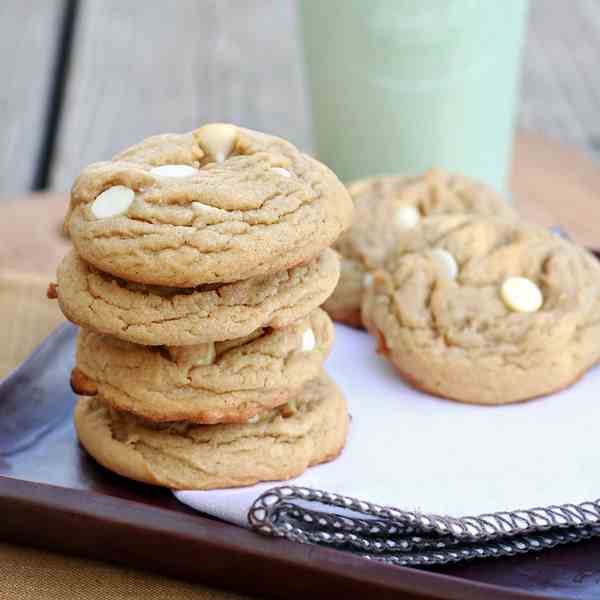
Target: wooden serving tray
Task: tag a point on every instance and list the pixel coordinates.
(54, 496)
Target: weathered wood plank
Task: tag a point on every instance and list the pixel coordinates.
(137, 71)
(143, 68)
(560, 92)
(29, 32)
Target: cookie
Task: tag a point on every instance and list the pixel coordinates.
(226, 382)
(217, 205)
(154, 315)
(486, 311)
(280, 445)
(385, 209)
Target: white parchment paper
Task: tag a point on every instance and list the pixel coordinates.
(413, 451)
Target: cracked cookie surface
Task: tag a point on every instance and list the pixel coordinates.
(379, 222)
(459, 338)
(263, 208)
(153, 315)
(226, 382)
(281, 445)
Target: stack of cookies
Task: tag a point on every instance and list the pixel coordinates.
(199, 265)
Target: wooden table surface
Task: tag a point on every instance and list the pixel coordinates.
(77, 83)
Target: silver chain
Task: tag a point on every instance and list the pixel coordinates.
(400, 537)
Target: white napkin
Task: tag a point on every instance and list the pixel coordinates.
(416, 452)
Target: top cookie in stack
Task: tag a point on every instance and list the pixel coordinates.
(217, 205)
(200, 262)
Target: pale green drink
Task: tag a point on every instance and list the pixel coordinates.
(399, 86)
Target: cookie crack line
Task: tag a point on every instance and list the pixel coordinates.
(164, 394)
(187, 205)
(197, 224)
(203, 415)
(224, 246)
(287, 439)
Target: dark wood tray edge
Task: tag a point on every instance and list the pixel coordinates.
(195, 548)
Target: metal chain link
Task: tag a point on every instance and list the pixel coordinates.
(408, 538)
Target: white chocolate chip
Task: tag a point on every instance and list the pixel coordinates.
(206, 356)
(254, 419)
(207, 208)
(367, 280)
(173, 171)
(521, 294)
(217, 140)
(445, 262)
(281, 171)
(308, 340)
(112, 202)
(406, 217)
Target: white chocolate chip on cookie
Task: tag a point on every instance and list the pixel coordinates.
(308, 340)
(217, 140)
(207, 209)
(406, 217)
(207, 356)
(112, 202)
(521, 294)
(281, 171)
(209, 214)
(445, 262)
(173, 171)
